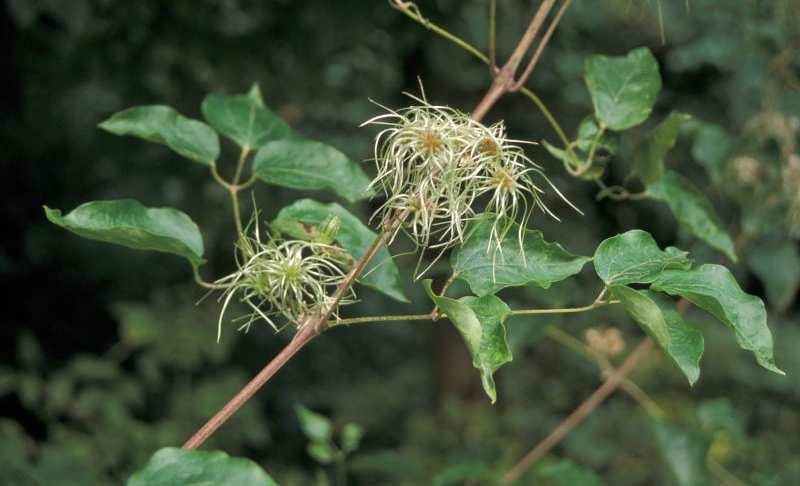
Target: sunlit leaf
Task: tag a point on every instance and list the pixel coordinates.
(693, 210)
(171, 466)
(127, 222)
(322, 452)
(481, 322)
(623, 89)
(649, 158)
(244, 118)
(161, 124)
(634, 257)
(306, 219)
(351, 436)
(681, 342)
(713, 288)
(306, 164)
(487, 268)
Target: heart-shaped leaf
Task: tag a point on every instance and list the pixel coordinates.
(481, 322)
(713, 288)
(172, 466)
(488, 268)
(681, 342)
(127, 222)
(649, 158)
(305, 219)
(693, 210)
(244, 118)
(634, 257)
(623, 89)
(306, 164)
(190, 138)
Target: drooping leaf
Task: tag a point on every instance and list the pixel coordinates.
(172, 466)
(713, 288)
(487, 268)
(623, 89)
(685, 453)
(777, 265)
(244, 118)
(634, 257)
(649, 158)
(190, 138)
(481, 322)
(318, 428)
(693, 210)
(305, 219)
(127, 222)
(306, 164)
(681, 342)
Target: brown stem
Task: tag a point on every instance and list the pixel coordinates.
(314, 325)
(580, 413)
(300, 339)
(540, 48)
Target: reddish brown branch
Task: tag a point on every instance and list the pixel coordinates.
(580, 413)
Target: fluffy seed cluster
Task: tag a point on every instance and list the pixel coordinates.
(290, 278)
(434, 163)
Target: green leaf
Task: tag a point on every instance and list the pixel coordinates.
(244, 118)
(317, 428)
(481, 322)
(322, 452)
(306, 164)
(685, 452)
(623, 89)
(190, 138)
(649, 158)
(634, 257)
(693, 210)
(713, 288)
(351, 437)
(172, 466)
(305, 219)
(487, 268)
(712, 147)
(587, 133)
(777, 264)
(681, 342)
(567, 473)
(128, 223)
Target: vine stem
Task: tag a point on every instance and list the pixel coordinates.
(579, 414)
(313, 325)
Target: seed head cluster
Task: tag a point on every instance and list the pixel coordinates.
(288, 278)
(434, 163)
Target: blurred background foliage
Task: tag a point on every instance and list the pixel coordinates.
(107, 357)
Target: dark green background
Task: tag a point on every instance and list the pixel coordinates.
(106, 358)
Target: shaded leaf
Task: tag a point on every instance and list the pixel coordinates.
(127, 222)
(487, 268)
(244, 118)
(190, 138)
(718, 415)
(693, 210)
(306, 219)
(712, 147)
(466, 472)
(713, 288)
(587, 133)
(685, 453)
(649, 158)
(306, 164)
(777, 265)
(623, 89)
(171, 466)
(481, 322)
(566, 473)
(634, 257)
(681, 342)
(318, 428)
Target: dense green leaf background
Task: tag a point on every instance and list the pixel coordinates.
(106, 357)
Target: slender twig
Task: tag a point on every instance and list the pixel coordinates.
(492, 36)
(311, 326)
(579, 414)
(540, 48)
(240, 164)
(209, 285)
